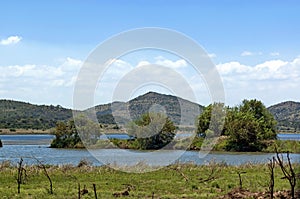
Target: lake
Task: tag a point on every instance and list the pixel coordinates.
(37, 146)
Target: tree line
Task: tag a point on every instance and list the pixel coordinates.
(247, 127)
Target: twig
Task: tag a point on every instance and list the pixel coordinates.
(182, 174)
(288, 174)
(46, 174)
(271, 167)
(20, 174)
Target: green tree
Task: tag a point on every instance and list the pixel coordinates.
(66, 136)
(211, 121)
(243, 130)
(248, 125)
(267, 123)
(152, 130)
(88, 130)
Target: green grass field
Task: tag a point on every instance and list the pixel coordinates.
(175, 181)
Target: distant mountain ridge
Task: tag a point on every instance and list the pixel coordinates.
(287, 114)
(15, 114)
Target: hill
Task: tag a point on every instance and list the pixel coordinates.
(14, 114)
(287, 115)
(176, 108)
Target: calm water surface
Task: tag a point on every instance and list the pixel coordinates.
(28, 146)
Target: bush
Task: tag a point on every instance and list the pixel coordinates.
(152, 131)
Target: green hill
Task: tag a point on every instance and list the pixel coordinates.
(176, 108)
(14, 114)
(287, 115)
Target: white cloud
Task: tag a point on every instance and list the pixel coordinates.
(70, 64)
(271, 81)
(232, 67)
(212, 55)
(116, 69)
(246, 53)
(249, 53)
(274, 69)
(274, 54)
(143, 63)
(41, 75)
(181, 63)
(11, 40)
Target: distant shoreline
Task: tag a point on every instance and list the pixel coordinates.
(24, 131)
(49, 131)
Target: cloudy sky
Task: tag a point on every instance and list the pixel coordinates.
(255, 46)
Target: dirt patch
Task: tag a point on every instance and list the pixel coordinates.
(243, 194)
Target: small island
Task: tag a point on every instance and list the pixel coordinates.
(248, 127)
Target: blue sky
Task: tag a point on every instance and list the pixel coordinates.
(254, 44)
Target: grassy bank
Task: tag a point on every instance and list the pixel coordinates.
(176, 181)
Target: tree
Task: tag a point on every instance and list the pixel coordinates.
(212, 120)
(248, 125)
(243, 131)
(88, 130)
(152, 130)
(267, 123)
(66, 136)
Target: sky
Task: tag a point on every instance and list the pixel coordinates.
(254, 45)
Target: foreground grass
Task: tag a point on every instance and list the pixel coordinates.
(176, 181)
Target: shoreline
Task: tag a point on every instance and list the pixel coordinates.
(25, 131)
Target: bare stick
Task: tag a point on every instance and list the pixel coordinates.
(20, 174)
(271, 167)
(46, 174)
(78, 190)
(240, 179)
(289, 173)
(95, 191)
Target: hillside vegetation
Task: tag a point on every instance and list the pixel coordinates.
(174, 107)
(21, 115)
(287, 115)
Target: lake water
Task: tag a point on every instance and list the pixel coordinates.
(37, 146)
(289, 136)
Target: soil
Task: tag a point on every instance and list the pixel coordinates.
(243, 194)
